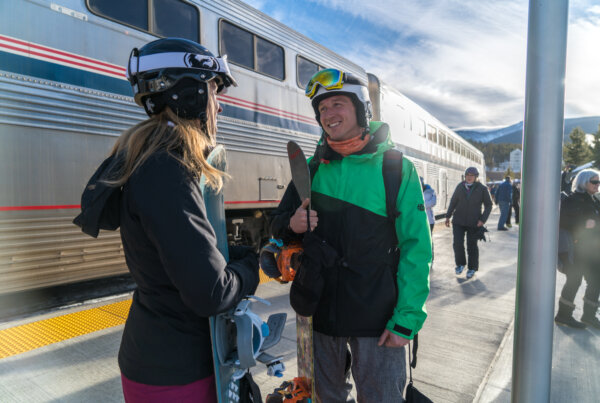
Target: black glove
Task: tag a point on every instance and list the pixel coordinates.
(246, 268)
(237, 252)
(309, 282)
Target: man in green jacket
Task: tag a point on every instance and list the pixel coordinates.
(373, 300)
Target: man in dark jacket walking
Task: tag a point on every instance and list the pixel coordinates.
(504, 200)
(465, 205)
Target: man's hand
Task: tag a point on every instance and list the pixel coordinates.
(447, 222)
(298, 221)
(390, 339)
(479, 223)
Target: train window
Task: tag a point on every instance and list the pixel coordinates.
(450, 144)
(442, 138)
(173, 18)
(432, 133)
(159, 17)
(237, 44)
(418, 126)
(130, 12)
(251, 51)
(269, 58)
(305, 70)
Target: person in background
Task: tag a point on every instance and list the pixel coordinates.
(516, 199)
(566, 179)
(170, 246)
(465, 207)
(504, 200)
(580, 215)
(430, 201)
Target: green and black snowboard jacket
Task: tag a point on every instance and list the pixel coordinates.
(377, 283)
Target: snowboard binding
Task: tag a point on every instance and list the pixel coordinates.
(295, 391)
(242, 339)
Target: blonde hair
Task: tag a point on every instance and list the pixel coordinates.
(187, 140)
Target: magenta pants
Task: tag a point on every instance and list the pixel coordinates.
(202, 391)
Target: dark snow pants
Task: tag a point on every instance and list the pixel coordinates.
(458, 231)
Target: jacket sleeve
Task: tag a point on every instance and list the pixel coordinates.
(487, 204)
(280, 217)
(571, 217)
(170, 208)
(453, 203)
(414, 242)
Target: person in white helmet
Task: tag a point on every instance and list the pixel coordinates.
(373, 260)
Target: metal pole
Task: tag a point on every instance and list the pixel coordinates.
(538, 238)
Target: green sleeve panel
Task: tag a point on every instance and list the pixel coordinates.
(414, 242)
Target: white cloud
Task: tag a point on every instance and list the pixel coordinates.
(468, 67)
(582, 86)
(469, 62)
(465, 60)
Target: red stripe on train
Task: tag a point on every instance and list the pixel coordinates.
(76, 206)
(120, 69)
(15, 208)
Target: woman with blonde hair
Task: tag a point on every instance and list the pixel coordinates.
(170, 246)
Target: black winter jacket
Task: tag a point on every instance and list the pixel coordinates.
(575, 210)
(380, 277)
(465, 205)
(171, 251)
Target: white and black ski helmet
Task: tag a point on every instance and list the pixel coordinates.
(323, 85)
(174, 72)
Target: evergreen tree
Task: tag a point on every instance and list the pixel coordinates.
(510, 173)
(578, 151)
(596, 149)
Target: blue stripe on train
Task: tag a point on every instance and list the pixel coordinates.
(64, 74)
(82, 78)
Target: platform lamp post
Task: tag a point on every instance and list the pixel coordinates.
(538, 237)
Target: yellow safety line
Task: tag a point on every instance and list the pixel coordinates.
(263, 277)
(20, 339)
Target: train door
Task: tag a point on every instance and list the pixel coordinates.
(443, 189)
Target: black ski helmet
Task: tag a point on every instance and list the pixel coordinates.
(348, 85)
(174, 72)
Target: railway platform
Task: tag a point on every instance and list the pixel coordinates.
(465, 347)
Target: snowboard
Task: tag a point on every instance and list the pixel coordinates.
(227, 387)
(304, 325)
(239, 337)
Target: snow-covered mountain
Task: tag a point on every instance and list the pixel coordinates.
(514, 133)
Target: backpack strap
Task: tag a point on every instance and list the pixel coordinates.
(249, 391)
(392, 178)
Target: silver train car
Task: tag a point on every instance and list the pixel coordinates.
(64, 99)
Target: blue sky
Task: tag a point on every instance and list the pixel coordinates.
(463, 60)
